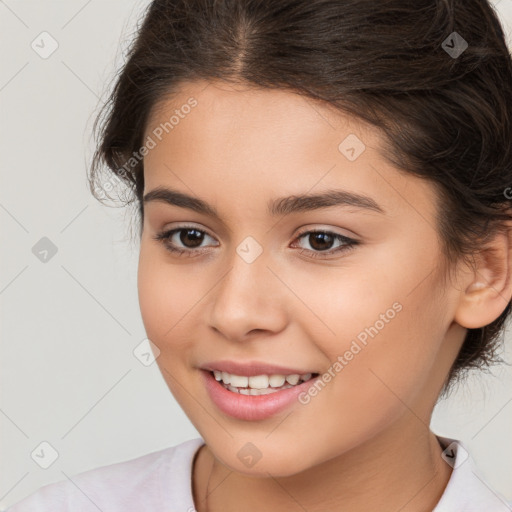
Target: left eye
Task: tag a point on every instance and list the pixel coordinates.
(320, 240)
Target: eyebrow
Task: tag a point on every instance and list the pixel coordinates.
(276, 207)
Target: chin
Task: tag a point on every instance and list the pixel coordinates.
(275, 464)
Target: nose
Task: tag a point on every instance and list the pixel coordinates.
(249, 299)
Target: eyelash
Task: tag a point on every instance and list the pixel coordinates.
(349, 243)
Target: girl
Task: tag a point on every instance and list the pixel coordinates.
(325, 249)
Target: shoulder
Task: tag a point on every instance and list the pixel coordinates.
(142, 483)
(467, 489)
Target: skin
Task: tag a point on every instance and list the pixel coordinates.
(363, 442)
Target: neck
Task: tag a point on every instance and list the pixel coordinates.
(401, 469)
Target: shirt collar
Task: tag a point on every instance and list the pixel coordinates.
(466, 489)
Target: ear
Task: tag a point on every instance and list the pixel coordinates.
(487, 287)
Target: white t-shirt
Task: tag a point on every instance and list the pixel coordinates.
(162, 482)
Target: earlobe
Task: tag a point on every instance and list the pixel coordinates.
(488, 286)
(476, 285)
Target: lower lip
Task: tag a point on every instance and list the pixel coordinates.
(248, 407)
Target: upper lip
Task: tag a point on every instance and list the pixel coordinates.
(252, 368)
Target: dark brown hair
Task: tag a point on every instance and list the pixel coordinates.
(445, 110)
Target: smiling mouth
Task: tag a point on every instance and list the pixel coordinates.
(260, 384)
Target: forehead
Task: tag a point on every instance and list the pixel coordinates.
(279, 112)
(269, 141)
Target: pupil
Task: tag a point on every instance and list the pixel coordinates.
(320, 237)
(196, 239)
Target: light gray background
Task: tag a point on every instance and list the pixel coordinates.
(69, 326)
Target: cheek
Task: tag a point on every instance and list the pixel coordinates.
(387, 329)
(167, 295)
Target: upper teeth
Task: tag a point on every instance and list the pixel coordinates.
(259, 381)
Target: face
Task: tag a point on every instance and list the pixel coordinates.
(361, 303)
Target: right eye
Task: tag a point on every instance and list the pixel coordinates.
(190, 236)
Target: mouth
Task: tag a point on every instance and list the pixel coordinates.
(257, 385)
(255, 397)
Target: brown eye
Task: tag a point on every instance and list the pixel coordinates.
(186, 240)
(191, 238)
(320, 241)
